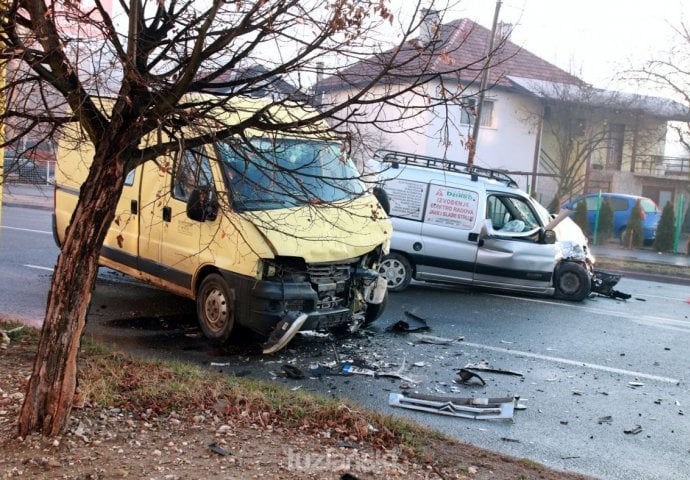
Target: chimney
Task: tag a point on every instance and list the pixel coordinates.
(429, 28)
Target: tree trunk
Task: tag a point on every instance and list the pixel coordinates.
(53, 381)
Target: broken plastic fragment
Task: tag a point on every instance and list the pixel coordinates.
(413, 323)
(466, 375)
(292, 372)
(634, 430)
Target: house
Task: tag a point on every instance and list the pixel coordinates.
(556, 135)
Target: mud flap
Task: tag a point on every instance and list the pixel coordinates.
(473, 408)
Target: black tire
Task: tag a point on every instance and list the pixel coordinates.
(374, 311)
(572, 282)
(397, 271)
(215, 308)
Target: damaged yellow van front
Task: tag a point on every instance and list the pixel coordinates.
(275, 233)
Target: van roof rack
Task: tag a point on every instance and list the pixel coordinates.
(435, 163)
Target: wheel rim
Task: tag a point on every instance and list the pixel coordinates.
(394, 272)
(569, 283)
(215, 310)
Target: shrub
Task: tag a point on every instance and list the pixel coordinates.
(633, 236)
(580, 217)
(605, 231)
(665, 232)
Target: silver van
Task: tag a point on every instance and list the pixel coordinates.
(476, 227)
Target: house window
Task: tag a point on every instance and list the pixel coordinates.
(614, 157)
(469, 113)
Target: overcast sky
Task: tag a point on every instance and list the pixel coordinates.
(592, 39)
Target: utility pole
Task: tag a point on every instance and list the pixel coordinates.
(482, 88)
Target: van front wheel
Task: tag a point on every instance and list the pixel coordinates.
(215, 308)
(572, 282)
(397, 271)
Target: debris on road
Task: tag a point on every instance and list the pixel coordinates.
(635, 384)
(484, 367)
(431, 339)
(413, 323)
(292, 372)
(608, 419)
(472, 408)
(634, 430)
(464, 376)
(603, 285)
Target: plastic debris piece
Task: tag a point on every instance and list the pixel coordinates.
(634, 430)
(465, 375)
(421, 338)
(483, 367)
(219, 450)
(473, 408)
(508, 439)
(412, 323)
(608, 419)
(218, 364)
(292, 372)
(635, 384)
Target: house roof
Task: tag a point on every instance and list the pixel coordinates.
(659, 107)
(458, 51)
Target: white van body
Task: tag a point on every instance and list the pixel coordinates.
(478, 228)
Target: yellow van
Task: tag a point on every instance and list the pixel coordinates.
(276, 234)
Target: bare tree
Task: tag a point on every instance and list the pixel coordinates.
(670, 73)
(169, 67)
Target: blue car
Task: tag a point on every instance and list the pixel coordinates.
(622, 206)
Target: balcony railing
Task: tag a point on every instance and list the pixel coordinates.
(660, 166)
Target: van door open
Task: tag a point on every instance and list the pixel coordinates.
(509, 257)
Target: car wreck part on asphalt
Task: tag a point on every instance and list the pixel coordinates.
(633, 430)
(284, 331)
(464, 376)
(413, 323)
(484, 367)
(472, 408)
(604, 282)
(421, 338)
(292, 372)
(608, 419)
(350, 369)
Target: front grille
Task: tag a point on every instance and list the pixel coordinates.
(330, 280)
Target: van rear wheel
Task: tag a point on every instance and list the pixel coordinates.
(572, 282)
(397, 271)
(215, 308)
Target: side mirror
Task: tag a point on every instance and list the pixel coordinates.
(548, 237)
(382, 197)
(202, 205)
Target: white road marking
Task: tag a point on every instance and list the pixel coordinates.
(26, 230)
(28, 265)
(650, 320)
(576, 363)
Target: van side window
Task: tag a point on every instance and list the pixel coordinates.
(507, 212)
(192, 170)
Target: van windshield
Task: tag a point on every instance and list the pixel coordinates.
(282, 173)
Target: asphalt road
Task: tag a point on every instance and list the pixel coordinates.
(590, 371)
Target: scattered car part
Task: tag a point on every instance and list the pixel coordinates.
(633, 430)
(421, 338)
(603, 283)
(413, 323)
(284, 331)
(483, 367)
(292, 372)
(472, 408)
(465, 376)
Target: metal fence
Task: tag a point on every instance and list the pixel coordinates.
(28, 172)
